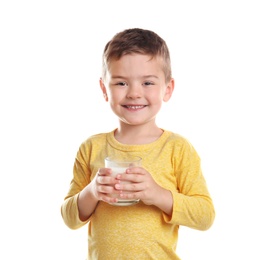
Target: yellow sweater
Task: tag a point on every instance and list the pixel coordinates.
(140, 231)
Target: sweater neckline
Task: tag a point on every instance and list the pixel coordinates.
(135, 147)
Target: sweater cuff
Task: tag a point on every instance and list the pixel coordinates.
(171, 219)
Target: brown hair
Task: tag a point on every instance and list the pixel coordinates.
(138, 41)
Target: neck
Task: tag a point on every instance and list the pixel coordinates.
(141, 134)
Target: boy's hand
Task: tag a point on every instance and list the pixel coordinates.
(102, 186)
(142, 186)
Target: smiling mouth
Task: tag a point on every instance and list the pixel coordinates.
(134, 107)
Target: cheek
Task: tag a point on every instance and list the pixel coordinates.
(115, 96)
(155, 97)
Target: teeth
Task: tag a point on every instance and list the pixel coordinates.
(134, 107)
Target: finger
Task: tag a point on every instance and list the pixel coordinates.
(132, 195)
(104, 180)
(130, 177)
(129, 186)
(104, 171)
(136, 170)
(105, 189)
(107, 180)
(109, 199)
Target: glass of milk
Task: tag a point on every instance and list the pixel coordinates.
(119, 166)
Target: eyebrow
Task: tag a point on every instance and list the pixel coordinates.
(145, 77)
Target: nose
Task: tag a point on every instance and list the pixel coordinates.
(134, 91)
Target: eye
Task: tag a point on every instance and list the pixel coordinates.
(121, 84)
(148, 83)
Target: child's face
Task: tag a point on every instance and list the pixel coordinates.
(135, 87)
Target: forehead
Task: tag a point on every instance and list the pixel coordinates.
(138, 62)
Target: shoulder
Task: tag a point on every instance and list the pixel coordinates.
(91, 145)
(179, 144)
(95, 140)
(177, 139)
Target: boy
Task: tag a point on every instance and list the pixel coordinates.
(136, 79)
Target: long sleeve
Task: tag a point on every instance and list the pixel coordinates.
(193, 206)
(81, 178)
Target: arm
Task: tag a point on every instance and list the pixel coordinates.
(86, 202)
(79, 185)
(187, 202)
(193, 206)
(87, 188)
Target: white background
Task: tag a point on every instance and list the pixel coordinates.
(223, 63)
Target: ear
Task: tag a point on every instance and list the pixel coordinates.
(103, 88)
(169, 90)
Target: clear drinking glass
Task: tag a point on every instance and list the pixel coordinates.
(119, 166)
